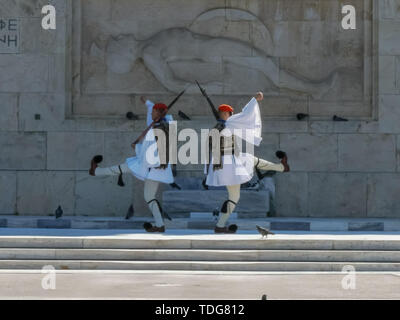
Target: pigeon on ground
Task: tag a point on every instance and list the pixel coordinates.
(301, 116)
(264, 232)
(336, 118)
(132, 116)
(183, 116)
(130, 212)
(59, 212)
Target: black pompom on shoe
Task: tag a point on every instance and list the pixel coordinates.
(97, 159)
(280, 154)
(233, 228)
(147, 225)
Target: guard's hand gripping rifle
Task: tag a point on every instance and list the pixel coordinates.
(213, 109)
(155, 121)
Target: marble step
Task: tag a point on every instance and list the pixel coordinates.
(199, 255)
(205, 242)
(310, 266)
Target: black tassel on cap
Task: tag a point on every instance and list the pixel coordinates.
(120, 180)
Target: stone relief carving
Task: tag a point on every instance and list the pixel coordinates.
(179, 48)
(303, 64)
(178, 56)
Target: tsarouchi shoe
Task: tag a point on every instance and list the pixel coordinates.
(93, 164)
(150, 228)
(231, 229)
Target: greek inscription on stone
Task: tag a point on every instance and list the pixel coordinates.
(9, 35)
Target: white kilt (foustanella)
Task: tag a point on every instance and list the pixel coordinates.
(236, 169)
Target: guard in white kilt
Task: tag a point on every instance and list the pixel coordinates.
(228, 166)
(149, 165)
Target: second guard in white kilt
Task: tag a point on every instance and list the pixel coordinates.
(230, 167)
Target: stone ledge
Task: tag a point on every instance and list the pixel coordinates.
(208, 200)
(204, 223)
(54, 224)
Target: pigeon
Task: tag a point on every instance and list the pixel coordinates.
(183, 116)
(336, 118)
(301, 116)
(175, 186)
(264, 232)
(130, 212)
(59, 212)
(132, 116)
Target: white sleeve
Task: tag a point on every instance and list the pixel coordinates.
(248, 124)
(149, 105)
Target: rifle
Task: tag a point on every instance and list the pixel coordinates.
(213, 109)
(155, 121)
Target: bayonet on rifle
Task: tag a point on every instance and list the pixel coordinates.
(213, 109)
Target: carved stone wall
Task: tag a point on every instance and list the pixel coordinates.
(64, 94)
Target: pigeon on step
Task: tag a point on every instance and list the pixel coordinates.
(264, 232)
(59, 212)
